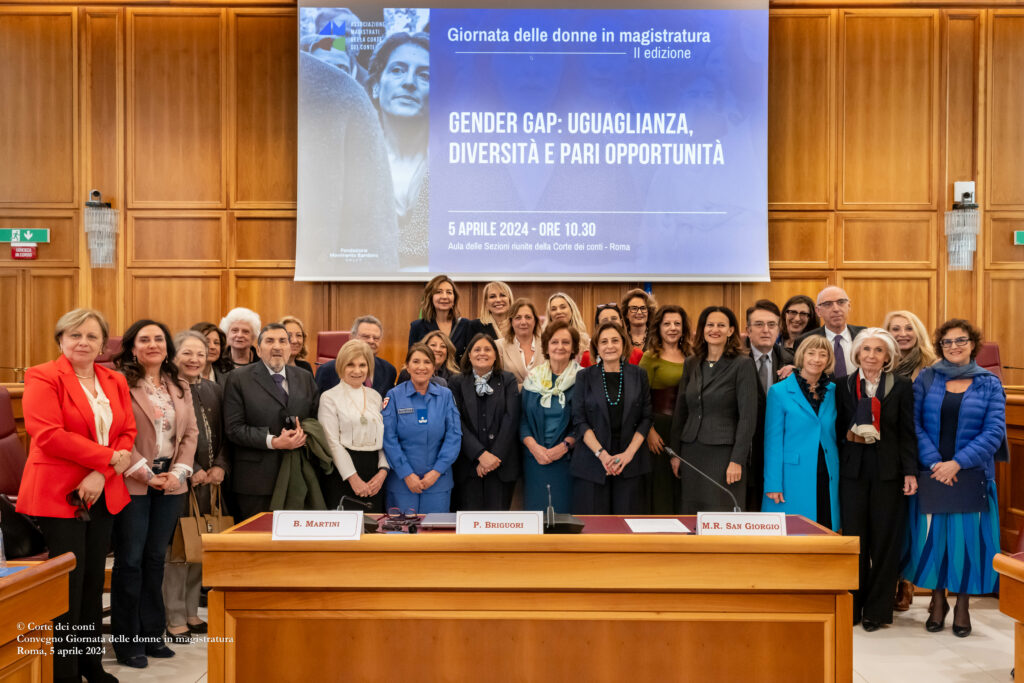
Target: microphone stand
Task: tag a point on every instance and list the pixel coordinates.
(364, 504)
(673, 454)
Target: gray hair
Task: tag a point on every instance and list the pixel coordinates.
(882, 336)
(245, 315)
(180, 338)
(270, 326)
(373, 320)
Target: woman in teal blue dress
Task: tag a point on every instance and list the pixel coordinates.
(960, 417)
(545, 424)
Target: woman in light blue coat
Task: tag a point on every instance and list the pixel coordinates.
(801, 461)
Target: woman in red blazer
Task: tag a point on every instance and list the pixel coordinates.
(162, 458)
(79, 417)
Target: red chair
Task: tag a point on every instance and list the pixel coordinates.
(12, 453)
(988, 358)
(106, 358)
(328, 344)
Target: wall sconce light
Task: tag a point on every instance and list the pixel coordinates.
(962, 227)
(101, 230)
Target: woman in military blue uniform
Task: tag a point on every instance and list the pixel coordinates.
(422, 437)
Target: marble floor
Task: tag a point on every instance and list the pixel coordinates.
(898, 653)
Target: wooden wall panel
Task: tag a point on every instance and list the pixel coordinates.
(176, 139)
(38, 107)
(11, 313)
(179, 299)
(1003, 322)
(801, 240)
(781, 288)
(49, 294)
(801, 109)
(696, 297)
(998, 249)
(873, 294)
(169, 238)
(1006, 102)
(396, 304)
(63, 246)
(892, 239)
(888, 109)
(262, 239)
(274, 294)
(264, 92)
(102, 87)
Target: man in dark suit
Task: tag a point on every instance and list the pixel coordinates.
(257, 399)
(370, 330)
(763, 319)
(834, 308)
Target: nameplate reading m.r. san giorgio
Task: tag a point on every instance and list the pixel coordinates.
(741, 523)
(525, 522)
(306, 525)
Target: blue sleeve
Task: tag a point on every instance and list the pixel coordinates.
(774, 428)
(980, 450)
(452, 443)
(927, 453)
(392, 447)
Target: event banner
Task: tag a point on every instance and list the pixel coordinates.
(532, 144)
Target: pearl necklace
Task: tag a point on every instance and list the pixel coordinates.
(604, 385)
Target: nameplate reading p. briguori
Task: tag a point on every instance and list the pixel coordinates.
(306, 525)
(524, 522)
(741, 523)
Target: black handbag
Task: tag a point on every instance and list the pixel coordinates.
(967, 494)
(21, 536)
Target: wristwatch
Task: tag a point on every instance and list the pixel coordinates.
(598, 452)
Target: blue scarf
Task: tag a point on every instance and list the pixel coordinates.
(953, 371)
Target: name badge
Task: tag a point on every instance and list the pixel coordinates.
(421, 416)
(305, 525)
(405, 411)
(521, 522)
(741, 523)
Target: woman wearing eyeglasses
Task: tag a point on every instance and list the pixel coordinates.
(798, 316)
(610, 313)
(79, 417)
(960, 417)
(639, 308)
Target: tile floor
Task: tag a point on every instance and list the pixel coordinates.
(898, 653)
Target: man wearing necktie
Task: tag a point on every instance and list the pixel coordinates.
(257, 399)
(763, 320)
(834, 308)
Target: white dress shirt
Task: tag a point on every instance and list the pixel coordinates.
(341, 410)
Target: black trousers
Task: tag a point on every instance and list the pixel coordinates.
(248, 506)
(617, 496)
(484, 493)
(875, 510)
(334, 487)
(89, 541)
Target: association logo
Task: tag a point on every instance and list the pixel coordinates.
(337, 31)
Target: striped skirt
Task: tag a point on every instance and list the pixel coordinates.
(955, 550)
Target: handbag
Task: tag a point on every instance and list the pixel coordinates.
(187, 545)
(21, 537)
(967, 494)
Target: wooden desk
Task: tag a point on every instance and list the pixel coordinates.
(1011, 599)
(30, 600)
(591, 607)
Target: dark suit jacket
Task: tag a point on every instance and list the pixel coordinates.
(253, 408)
(590, 411)
(462, 331)
(820, 332)
(897, 449)
(499, 431)
(383, 376)
(781, 357)
(721, 412)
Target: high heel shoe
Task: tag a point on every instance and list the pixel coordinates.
(961, 630)
(936, 626)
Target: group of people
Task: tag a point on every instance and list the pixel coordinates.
(649, 415)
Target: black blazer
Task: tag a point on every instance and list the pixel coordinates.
(820, 332)
(462, 331)
(897, 447)
(781, 357)
(722, 411)
(499, 431)
(383, 376)
(253, 408)
(590, 411)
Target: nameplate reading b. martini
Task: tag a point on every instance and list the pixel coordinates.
(305, 525)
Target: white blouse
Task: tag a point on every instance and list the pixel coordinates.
(352, 421)
(101, 411)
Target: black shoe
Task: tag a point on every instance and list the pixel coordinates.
(135, 661)
(936, 626)
(180, 638)
(201, 627)
(961, 631)
(870, 626)
(159, 650)
(100, 676)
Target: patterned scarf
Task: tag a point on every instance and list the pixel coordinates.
(539, 382)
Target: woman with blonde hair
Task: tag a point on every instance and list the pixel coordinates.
(912, 339)
(495, 310)
(445, 366)
(297, 341)
(562, 307)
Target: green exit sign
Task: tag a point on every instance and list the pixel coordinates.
(1018, 236)
(37, 235)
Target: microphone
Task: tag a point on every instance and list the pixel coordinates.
(549, 514)
(673, 454)
(341, 504)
